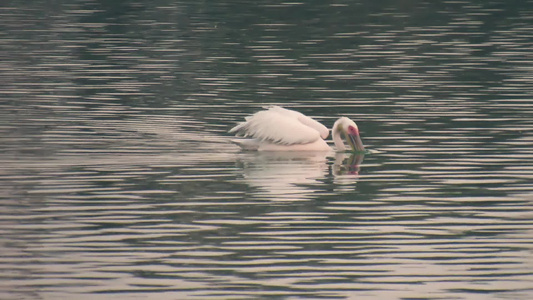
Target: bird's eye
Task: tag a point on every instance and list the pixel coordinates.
(353, 130)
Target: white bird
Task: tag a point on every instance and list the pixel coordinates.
(280, 129)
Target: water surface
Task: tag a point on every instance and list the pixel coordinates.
(118, 180)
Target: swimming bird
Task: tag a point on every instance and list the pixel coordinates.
(279, 129)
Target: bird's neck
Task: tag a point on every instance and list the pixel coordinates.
(337, 139)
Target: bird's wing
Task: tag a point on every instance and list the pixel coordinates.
(277, 125)
(322, 130)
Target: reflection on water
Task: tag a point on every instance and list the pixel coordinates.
(290, 176)
(347, 164)
(118, 180)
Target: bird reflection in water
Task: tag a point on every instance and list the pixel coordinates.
(296, 175)
(347, 164)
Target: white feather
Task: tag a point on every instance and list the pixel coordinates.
(322, 130)
(281, 126)
(280, 129)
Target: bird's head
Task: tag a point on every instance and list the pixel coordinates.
(347, 129)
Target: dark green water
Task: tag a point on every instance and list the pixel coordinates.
(118, 180)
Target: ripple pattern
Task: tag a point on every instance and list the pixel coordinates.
(118, 180)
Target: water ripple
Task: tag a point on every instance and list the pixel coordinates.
(118, 179)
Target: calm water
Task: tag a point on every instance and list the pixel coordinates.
(118, 180)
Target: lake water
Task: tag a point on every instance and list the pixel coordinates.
(118, 180)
